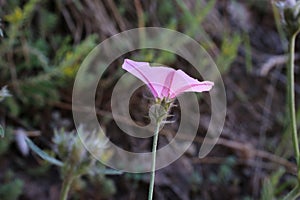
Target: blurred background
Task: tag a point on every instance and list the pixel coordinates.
(42, 45)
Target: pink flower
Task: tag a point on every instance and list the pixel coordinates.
(165, 82)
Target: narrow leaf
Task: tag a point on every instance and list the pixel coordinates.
(43, 154)
(1, 132)
(109, 171)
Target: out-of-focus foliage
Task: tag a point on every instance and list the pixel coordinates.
(190, 22)
(41, 53)
(225, 173)
(1, 131)
(37, 60)
(229, 50)
(274, 185)
(6, 141)
(4, 93)
(12, 187)
(76, 161)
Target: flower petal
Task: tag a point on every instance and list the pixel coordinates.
(166, 91)
(164, 81)
(184, 83)
(153, 77)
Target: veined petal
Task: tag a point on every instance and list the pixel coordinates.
(153, 77)
(164, 81)
(166, 91)
(140, 70)
(184, 83)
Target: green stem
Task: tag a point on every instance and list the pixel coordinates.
(291, 100)
(154, 149)
(66, 186)
(293, 194)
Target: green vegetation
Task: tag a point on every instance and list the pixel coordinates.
(42, 45)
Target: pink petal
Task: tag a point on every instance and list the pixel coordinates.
(165, 81)
(184, 83)
(153, 77)
(168, 84)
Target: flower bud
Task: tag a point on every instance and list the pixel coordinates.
(290, 13)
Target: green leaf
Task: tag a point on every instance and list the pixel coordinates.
(11, 190)
(229, 52)
(109, 172)
(1, 131)
(43, 154)
(248, 54)
(6, 141)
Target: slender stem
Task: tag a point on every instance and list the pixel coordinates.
(293, 194)
(154, 149)
(291, 100)
(66, 186)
